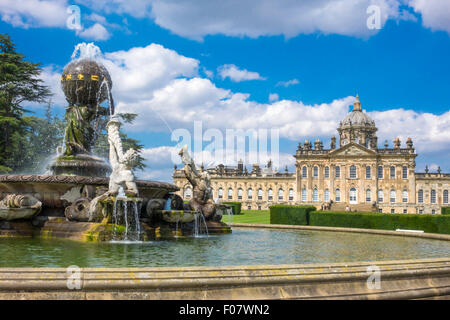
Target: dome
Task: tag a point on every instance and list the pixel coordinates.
(357, 117)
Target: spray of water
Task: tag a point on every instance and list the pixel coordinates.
(85, 50)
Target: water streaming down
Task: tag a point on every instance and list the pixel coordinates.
(127, 216)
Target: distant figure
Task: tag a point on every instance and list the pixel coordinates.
(347, 208)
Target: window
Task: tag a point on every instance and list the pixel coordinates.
(239, 194)
(280, 194)
(260, 194)
(188, 193)
(405, 211)
(315, 172)
(304, 172)
(249, 194)
(420, 196)
(230, 194)
(405, 172)
(368, 172)
(420, 211)
(392, 210)
(392, 172)
(303, 194)
(326, 195)
(445, 196)
(220, 193)
(249, 207)
(433, 196)
(291, 194)
(352, 195)
(380, 172)
(327, 172)
(352, 172)
(337, 196)
(337, 172)
(368, 196)
(315, 195)
(392, 196)
(405, 196)
(380, 196)
(270, 195)
(433, 211)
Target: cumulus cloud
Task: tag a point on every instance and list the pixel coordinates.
(435, 13)
(287, 83)
(273, 97)
(96, 32)
(237, 75)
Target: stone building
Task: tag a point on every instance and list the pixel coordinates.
(353, 175)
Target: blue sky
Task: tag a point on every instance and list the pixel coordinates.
(291, 65)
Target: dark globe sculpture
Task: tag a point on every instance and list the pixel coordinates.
(86, 82)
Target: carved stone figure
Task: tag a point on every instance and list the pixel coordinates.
(202, 199)
(18, 206)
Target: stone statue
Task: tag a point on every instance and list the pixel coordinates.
(202, 199)
(122, 164)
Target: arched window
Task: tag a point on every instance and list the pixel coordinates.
(368, 172)
(315, 172)
(337, 195)
(380, 196)
(433, 196)
(239, 194)
(352, 172)
(420, 196)
(291, 194)
(220, 193)
(445, 196)
(260, 194)
(188, 193)
(230, 194)
(392, 196)
(380, 172)
(326, 195)
(280, 194)
(315, 195)
(270, 195)
(352, 195)
(368, 195)
(392, 172)
(405, 172)
(304, 172)
(250, 194)
(304, 194)
(327, 172)
(405, 196)
(337, 172)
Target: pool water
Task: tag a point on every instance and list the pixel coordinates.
(243, 247)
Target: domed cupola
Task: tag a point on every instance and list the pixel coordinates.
(358, 127)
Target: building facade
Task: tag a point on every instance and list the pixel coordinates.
(355, 174)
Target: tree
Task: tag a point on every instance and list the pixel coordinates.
(19, 82)
(101, 147)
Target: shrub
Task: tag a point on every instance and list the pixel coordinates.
(445, 210)
(286, 214)
(236, 206)
(427, 223)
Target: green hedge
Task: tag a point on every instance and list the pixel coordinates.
(236, 206)
(445, 210)
(427, 223)
(286, 214)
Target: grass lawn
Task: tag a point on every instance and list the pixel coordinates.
(249, 216)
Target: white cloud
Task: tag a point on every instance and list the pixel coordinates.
(34, 13)
(435, 13)
(237, 75)
(273, 97)
(287, 83)
(96, 32)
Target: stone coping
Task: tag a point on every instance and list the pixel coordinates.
(340, 229)
(402, 279)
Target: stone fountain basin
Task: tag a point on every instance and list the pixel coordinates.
(174, 216)
(9, 214)
(57, 192)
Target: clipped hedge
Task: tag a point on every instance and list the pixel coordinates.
(427, 223)
(445, 210)
(286, 214)
(236, 206)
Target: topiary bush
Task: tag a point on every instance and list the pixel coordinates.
(236, 206)
(286, 214)
(445, 210)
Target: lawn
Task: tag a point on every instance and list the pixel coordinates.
(249, 216)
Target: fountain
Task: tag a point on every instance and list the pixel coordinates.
(86, 198)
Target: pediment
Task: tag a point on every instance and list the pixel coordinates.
(353, 149)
